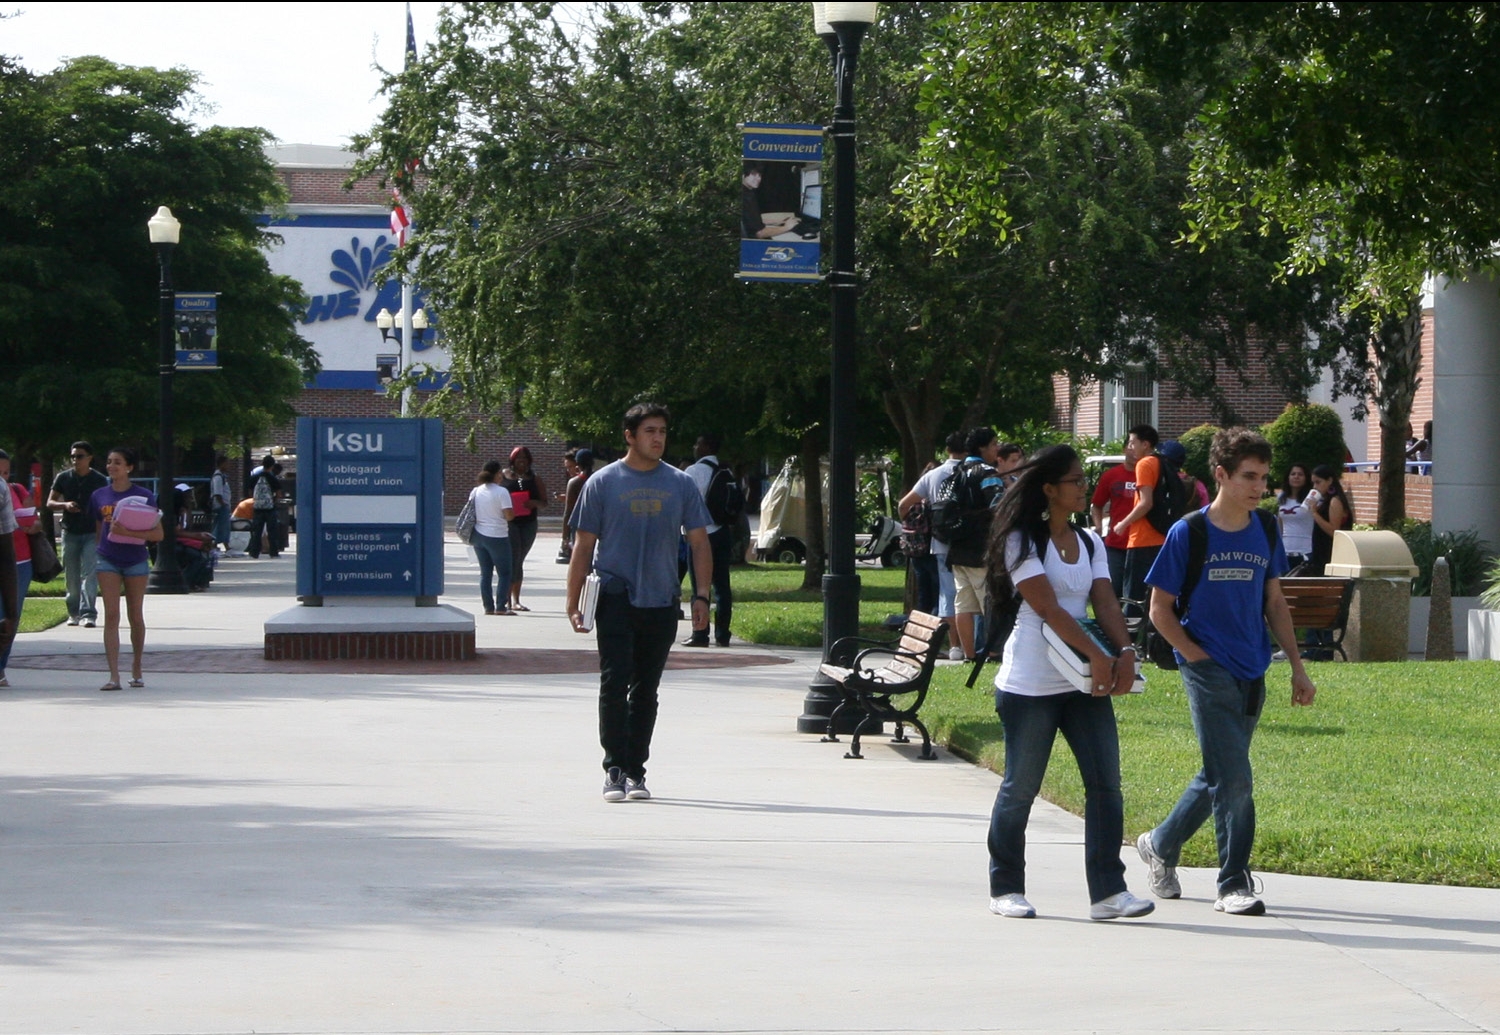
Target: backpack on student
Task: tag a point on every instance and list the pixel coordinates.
(264, 498)
(724, 499)
(961, 513)
(916, 530)
(1169, 501)
(1004, 604)
(1156, 646)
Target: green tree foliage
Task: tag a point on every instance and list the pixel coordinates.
(1360, 134)
(1306, 433)
(1197, 442)
(92, 149)
(578, 213)
(1045, 157)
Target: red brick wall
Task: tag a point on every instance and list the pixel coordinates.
(326, 187)
(1254, 404)
(1363, 486)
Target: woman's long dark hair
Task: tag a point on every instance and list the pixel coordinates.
(1335, 489)
(1298, 494)
(489, 473)
(1023, 509)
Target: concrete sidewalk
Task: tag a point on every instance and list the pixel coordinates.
(337, 851)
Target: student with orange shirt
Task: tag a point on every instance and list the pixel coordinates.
(1143, 541)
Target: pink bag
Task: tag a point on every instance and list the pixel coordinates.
(135, 514)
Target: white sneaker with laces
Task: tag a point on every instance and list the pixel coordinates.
(1014, 905)
(1120, 904)
(1163, 878)
(1242, 902)
(955, 654)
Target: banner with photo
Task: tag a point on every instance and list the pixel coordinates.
(781, 201)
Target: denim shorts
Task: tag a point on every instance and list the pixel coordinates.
(130, 571)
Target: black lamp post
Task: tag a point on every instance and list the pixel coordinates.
(166, 577)
(842, 26)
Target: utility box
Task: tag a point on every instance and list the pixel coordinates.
(1380, 563)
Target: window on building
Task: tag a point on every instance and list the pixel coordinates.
(1133, 401)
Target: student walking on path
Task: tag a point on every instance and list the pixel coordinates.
(123, 563)
(634, 511)
(1231, 582)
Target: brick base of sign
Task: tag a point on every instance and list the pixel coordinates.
(371, 646)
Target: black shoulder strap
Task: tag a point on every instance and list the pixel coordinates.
(1197, 523)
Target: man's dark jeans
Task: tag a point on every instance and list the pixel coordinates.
(633, 647)
(719, 544)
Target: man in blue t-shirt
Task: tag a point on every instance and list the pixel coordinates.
(1224, 648)
(634, 511)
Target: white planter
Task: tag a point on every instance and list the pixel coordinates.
(1416, 630)
(1483, 628)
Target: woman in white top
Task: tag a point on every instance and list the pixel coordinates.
(491, 540)
(1295, 512)
(1034, 548)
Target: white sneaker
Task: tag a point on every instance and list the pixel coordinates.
(1241, 903)
(1163, 878)
(614, 784)
(635, 790)
(1121, 904)
(1014, 904)
(955, 654)
(73, 621)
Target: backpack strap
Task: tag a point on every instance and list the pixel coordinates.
(1197, 523)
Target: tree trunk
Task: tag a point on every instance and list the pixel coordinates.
(1396, 362)
(810, 455)
(916, 412)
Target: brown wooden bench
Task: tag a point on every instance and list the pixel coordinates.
(1320, 605)
(886, 680)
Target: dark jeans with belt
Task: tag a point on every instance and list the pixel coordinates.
(633, 647)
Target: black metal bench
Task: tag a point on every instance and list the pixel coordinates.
(887, 680)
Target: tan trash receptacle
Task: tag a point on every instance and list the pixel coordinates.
(1381, 565)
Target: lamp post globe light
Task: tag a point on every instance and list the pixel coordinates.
(842, 26)
(392, 325)
(166, 576)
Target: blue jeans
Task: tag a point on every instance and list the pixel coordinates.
(1031, 725)
(1138, 563)
(1225, 712)
(222, 517)
(23, 583)
(494, 560)
(80, 552)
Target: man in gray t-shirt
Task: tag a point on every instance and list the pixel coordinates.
(627, 523)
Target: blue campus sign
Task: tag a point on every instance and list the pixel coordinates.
(371, 503)
(781, 201)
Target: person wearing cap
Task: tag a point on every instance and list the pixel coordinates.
(527, 496)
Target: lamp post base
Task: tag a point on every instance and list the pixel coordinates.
(166, 582)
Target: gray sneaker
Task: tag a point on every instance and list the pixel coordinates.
(1163, 878)
(635, 789)
(614, 784)
(1120, 904)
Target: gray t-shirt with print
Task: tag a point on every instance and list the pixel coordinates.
(639, 517)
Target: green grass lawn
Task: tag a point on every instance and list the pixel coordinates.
(1390, 775)
(1394, 774)
(45, 606)
(770, 608)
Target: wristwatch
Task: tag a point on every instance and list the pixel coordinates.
(700, 596)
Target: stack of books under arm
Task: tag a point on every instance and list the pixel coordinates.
(1074, 664)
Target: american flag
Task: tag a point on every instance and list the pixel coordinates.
(400, 214)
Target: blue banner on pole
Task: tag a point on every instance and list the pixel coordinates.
(195, 318)
(781, 201)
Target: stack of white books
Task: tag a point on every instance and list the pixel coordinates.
(1074, 664)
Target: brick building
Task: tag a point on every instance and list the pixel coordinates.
(335, 242)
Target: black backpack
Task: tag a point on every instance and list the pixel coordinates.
(961, 513)
(1169, 500)
(725, 500)
(1004, 604)
(1156, 647)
